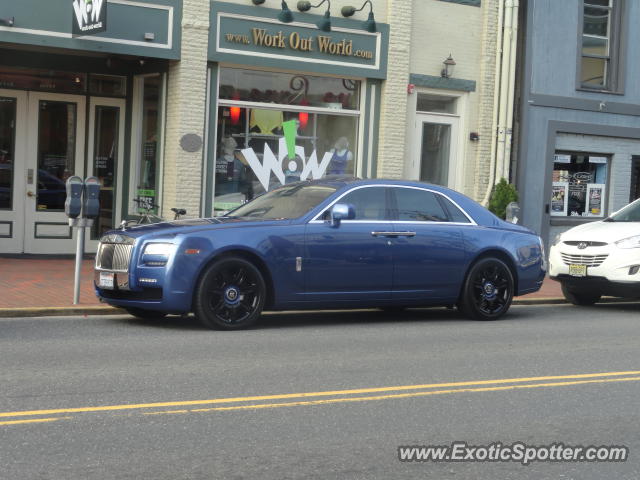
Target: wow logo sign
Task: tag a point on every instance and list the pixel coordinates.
(290, 161)
(89, 16)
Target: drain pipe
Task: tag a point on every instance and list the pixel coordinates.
(511, 90)
(496, 93)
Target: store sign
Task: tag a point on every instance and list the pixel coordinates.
(244, 36)
(89, 16)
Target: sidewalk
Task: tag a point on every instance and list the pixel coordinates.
(44, 286)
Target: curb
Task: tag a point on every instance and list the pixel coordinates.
(107, 310)
(59, 311)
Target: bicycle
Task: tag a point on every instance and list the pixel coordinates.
(147, 217)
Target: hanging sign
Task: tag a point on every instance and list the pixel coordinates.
(89, 16)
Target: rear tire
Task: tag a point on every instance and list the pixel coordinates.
(142, 313)
(579, 298)
(230, 294)
(488, 290)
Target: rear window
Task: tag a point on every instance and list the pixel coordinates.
(415, 205)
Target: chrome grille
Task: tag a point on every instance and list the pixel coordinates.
(575, 243)
(588, 260)
(114, 256)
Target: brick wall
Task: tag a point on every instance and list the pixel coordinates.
(393, 139)
(186, 95)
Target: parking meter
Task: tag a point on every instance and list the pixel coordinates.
(73, 202)
(513, 212)
(91, 199)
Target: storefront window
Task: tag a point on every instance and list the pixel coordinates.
(289, 89)
(107, 85)
(44, 80)
(260, 148)
(579, 184)
(149, 163)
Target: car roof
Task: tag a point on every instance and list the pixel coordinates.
(342, 181)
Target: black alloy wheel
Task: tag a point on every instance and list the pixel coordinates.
(488, 290)
(579, 298)
(230, 295)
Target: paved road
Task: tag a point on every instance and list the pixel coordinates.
(116, 397)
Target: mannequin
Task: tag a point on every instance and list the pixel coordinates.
(229, 170)
(341, 159)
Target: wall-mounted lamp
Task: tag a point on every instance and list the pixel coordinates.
(7, 22)
(325, 23)
(285, 14)
(370, 24)
(449, 64)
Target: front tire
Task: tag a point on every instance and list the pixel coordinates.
(579, 298)
(488, 290)
(230, 294)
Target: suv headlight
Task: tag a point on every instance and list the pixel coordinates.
(556, 240)
(631, 242)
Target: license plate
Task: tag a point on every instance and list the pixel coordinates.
(578, 270)
(106, 280)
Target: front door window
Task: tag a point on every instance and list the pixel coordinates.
(7, 149)
(107, 120)
(434, 157)
(56, 152)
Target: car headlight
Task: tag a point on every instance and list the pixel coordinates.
(556, 240)
(157, 254)
(631, 242)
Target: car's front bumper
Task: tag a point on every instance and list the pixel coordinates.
(610, 270)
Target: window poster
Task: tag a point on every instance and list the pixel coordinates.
(597, 159)
(559, 198)
(559, 158)
(595, 199)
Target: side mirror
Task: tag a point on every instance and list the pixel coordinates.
(341, 211)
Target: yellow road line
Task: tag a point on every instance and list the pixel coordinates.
(108, 408)
(169, 412)
(34, 420)
(407, 395)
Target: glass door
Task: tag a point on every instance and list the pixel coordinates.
(54, 153)
(13, 133)
(105, 153)
(435, 150)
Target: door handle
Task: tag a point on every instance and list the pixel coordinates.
(30, 194)
(393, 234)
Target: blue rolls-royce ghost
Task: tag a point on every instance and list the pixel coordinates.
(332, 243)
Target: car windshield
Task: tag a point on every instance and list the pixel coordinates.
(291, 201)
(630, 213)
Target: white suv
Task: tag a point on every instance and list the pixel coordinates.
(599, 258)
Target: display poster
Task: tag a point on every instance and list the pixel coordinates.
(597, 159)
(559, 198)
(595, 198)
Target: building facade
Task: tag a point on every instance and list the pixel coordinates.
(579, 148)
(205, 104)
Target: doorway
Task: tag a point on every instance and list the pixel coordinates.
(435, 149)
(42, 143)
